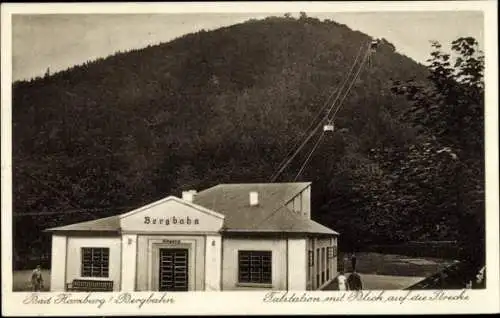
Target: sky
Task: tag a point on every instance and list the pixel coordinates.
(59, 41)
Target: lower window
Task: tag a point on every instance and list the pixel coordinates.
(255, 267)
(95, 262)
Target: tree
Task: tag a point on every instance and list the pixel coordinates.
(450, 112)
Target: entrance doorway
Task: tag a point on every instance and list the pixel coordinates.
(173, 267)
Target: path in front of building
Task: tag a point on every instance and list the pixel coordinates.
(381, 282)
(380, 271)
(21, 280)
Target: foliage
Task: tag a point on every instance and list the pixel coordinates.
(451, 113)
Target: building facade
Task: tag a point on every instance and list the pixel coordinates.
(228, 237)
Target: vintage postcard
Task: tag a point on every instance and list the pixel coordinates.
(250, 158)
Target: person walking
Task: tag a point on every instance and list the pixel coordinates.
(341, 280)
(354, 282)
(37, 279)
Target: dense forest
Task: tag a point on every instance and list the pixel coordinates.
(406, 162)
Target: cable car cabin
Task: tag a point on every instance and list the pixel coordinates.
(328, 127)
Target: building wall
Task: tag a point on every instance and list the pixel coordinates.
(334, 261)
(58, 263)
(129, 258)
(301, 203)
(297, 264)
(230, 248)
(213, 263)
(147, 259)
(74, 257)
(172, 216)
(322, 269)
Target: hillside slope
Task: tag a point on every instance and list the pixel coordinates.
(206, 108)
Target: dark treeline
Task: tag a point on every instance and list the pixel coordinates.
(226, 106)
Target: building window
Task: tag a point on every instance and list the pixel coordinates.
(298, 204)
(332, 252)
(255, 267)
(95, 262)
(323, 258)
(328, 261)
(311, 258)
(318, 263)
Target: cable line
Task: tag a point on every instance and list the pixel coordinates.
(309, 156)
(370, 47)
(295, 153)
(367, 56)
(330, 110)
(338, 91)
(352, 83)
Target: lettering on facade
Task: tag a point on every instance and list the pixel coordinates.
(172, 241)
(172, 220)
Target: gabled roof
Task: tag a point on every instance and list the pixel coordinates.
(270, 215)
(176, 199)
(231, 202)
(112, 223)
(232, 198)
(109, 224)
(282, 220)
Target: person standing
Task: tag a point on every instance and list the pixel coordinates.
(353, 262)
(37, 279)
(354, 282)
(341, 280)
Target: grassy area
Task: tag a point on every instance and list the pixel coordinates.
(382, 282)
(21, 280)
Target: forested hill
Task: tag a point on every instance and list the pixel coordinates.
(207, 108)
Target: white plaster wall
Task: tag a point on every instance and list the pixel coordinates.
(297, 203)
(291, 206)
(213, 262)
(301, 203)
(182, 217)
(73, 259)
(58, 263)
(306, 202)
(129, 261)
(230, 248)
(297, 264)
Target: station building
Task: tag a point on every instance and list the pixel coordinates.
(228, 237)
